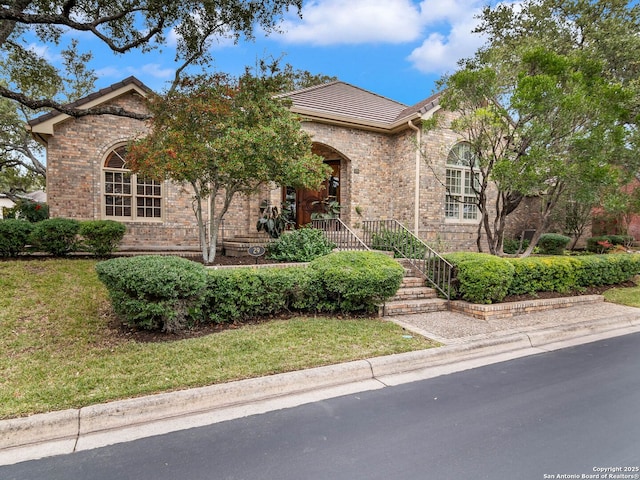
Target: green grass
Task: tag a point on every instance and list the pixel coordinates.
(624, 296)
(58, 350)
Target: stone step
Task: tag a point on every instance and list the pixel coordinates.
(408, 307)
(412, 282)
(415, 293)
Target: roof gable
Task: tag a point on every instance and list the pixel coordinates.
(44, 124)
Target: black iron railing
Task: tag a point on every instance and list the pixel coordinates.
(336, 231)
(391, 235)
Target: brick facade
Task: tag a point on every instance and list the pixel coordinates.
(378, 172)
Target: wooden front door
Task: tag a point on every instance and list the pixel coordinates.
(313, 201)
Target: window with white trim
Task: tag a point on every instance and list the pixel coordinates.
(128, 196)
(461, 203)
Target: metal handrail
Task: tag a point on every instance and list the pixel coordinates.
(336, 231)
(391, 235)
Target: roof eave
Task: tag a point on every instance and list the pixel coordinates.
(42, 130)
(353, 122)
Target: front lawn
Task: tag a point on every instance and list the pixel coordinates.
(624, 296)
(61, 347)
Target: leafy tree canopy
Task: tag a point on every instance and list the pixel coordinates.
(122, 25)
(546, 105)
(226, 136)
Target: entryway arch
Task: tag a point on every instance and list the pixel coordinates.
(305, 202)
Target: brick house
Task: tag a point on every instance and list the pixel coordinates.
(369, 141)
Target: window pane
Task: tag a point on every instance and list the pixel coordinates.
(452, 207)
(454, 181)
(470, 209)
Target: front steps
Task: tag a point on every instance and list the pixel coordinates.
(238, 246)
(413, 297)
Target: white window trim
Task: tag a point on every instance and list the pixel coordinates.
(465, 178)
(134, 183)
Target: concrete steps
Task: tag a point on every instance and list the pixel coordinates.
(413, 297)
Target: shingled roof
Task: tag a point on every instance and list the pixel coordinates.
(347, 104)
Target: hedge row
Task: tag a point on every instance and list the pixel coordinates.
(60, 236)
(483, 278)
(167, 293)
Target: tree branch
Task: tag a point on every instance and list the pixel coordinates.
(68, 110)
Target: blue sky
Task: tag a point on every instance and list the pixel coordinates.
(395, 48)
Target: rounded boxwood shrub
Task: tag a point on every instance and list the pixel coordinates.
(57, 236)
(301, 245)
(14, 235)
(155, 292)
(352, 281)
(480, 277)
(553, 243)
(101, 237)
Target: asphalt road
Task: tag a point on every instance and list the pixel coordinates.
(571, 413)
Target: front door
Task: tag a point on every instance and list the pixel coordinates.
(309, 201)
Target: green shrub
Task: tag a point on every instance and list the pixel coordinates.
(57, 236)
(598, 244)
(625, 240)
(14, 235)
(543, 274)
(29, 210)
(242, 293)
(480, 277)
(101, 237)
(596, 270)
(401, 242)
(604, 243)
(155, 292)
(552, 243)
(302, 245)
(352, 281)
(511, 245)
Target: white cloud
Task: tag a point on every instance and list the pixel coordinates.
(154, 70)
(441, 50)
(331, 22)
(147, 70)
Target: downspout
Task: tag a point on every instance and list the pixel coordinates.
(416, 199)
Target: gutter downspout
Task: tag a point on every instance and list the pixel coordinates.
(416, 199)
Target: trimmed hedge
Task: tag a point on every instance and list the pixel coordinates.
(480, 277)
(552, 243)
(242, 293)
(302, 245)
(597, 270)
(14, 236)
(543, 274)
(483, 278)
(351, 281)
(57, 236)
(101, 237)
(155, 292)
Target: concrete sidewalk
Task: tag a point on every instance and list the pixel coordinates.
(468, 343)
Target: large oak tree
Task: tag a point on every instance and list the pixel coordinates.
(31, 83)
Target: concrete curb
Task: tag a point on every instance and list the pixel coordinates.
(98, 425)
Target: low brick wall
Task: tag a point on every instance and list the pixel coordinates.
(511, 309)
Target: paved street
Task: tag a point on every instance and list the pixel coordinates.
(567, 412)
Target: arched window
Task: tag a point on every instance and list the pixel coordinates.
(126, 195)
(461, 202)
